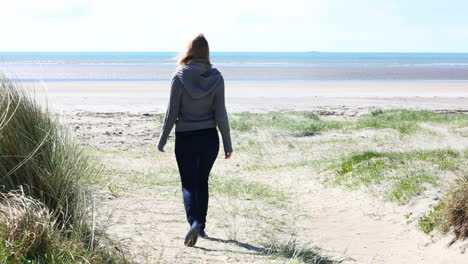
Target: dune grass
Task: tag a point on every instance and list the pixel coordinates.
(137, 179)
(307, 123)
(27, 228)
(295, 252)
(451, 214)
(434, 219)
(408, 173)
(29, 234)
(404, 189)
(37, 153)
(38, 157)
(405, 121)
(302, 123)
(241, 188)
(456, 209)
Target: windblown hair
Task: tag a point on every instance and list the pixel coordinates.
(197, 51)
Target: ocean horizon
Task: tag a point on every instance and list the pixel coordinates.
(237, 66)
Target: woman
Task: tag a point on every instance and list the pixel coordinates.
(196, 107)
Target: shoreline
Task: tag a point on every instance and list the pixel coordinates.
(280, 89)
(149, 80)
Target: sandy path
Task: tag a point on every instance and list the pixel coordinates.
(368, 231)
(151, 230)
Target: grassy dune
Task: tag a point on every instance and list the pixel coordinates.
(408, 173)
(398, 176)
(45, 178)
(404, 121)
(397, 156)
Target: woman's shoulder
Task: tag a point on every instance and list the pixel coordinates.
(194, 69)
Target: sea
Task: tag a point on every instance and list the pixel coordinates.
(236, 66)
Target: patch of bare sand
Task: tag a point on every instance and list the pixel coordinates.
(151, 229)
(368, 230)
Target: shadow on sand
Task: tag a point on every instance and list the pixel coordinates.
(233, 242)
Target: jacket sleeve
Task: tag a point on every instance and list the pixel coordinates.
(221, 118)
(171, 113)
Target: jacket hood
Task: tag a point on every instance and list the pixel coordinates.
(199, 79)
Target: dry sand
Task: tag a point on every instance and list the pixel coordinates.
(148, 218)
(340, 96)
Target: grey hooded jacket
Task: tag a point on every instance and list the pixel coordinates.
(196, 102)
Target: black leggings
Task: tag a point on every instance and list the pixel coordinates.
(196, 152)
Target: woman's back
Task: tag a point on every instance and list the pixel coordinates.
(197, 102)
(200, 86)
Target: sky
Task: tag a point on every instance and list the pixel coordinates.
(235, 25)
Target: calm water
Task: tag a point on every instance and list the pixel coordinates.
(237, 66)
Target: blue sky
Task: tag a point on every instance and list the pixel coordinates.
(235, 25)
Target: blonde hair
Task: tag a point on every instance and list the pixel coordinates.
(197, 51)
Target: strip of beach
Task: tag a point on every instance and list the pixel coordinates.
(263, 96)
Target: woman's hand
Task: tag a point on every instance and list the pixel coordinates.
(228, 155)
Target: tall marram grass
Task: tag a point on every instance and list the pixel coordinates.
(29, 234)
(38, 154)
(456, 209)
(38, 157)
(451, 214)
(26, 226)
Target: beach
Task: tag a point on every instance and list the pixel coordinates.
(337, 156)
(140, 199)
(346, 130)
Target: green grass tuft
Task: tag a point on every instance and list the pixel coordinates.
(301, 123)
(293, 250)
(348, 164)
(238, 187)
(307, 123)
(410, 186)
(408, 173)
(434, 219)
(451, 214)
(456, 209)
(405, 121)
